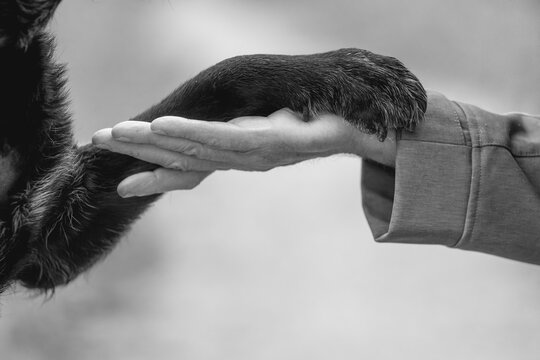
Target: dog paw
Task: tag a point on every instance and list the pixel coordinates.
(373, 92)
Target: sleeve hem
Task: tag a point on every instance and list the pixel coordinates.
(429, 196)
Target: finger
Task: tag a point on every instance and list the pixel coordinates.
(149, 153)
(101, 136)
(140, 133)
(228, 136)
(133, 131)
(159, 181)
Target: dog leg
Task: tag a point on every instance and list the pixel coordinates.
(373, 92)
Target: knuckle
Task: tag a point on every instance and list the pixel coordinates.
(193, 150)
(213, 142)
(177, 164)
(190, 149)
(157, 177)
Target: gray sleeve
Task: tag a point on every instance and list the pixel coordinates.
(466, 178)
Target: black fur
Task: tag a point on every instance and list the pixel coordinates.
(62, 212)
(21, 19)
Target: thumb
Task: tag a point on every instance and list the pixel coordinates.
(159, 181)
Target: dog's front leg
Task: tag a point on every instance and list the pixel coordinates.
(371, 91)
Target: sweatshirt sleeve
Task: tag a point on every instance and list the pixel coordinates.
(466, 178)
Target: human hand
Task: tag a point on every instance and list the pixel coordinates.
(194, 148)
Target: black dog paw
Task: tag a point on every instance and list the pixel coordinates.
(373, 92)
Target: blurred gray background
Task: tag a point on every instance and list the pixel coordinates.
(281, 265)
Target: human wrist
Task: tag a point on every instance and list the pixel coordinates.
(370, 147)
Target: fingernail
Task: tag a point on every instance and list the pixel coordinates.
(125, 195)
(126, 191)
(137, 185)
(139, 194)
(131, 192)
